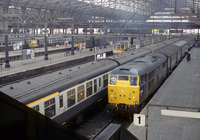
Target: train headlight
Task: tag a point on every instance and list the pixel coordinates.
(113, 79)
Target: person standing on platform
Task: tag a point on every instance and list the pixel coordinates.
(188, 56)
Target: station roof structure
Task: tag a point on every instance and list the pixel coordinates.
(100, 13)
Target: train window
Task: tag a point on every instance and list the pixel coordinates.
(71, 98)
(95, 85)
(81, 93)
(49, 107)
(36, 108)
(124, 78)
(151, 84)
(113, 79)
(117, 47)
(89, 88)
(142, 79)
(61, 101)
(133, 81)
(99, 82)
(105, 80)
(151, 75)
(163, 65)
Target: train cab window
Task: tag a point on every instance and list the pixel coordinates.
(117, 47)
(113, 79)
(105, 80)
(81, 93)
(133, 80)
(124, 78)
(36, 108)
(71, 98)
(61, 101)
(49, 106)
(89, 88)
(95, 85)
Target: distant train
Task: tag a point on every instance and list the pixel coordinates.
(125, 45)
(40, 41)
(15, 43)
(130, 85)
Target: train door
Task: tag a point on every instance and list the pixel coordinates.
(142, 84)
(169, 64)
(61, 105)
(100, 83)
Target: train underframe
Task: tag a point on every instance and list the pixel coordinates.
(123, 110)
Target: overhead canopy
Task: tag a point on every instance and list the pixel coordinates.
(99, 13)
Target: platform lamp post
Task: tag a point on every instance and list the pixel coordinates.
(91, 38)
(72, 32)
(46, 51)
(7, 65)
(105, 34)
(45, 31)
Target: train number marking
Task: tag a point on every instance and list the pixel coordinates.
(139, 119)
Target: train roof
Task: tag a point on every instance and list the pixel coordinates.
(142, 65)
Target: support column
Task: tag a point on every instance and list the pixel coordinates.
(17, 32)
(104, 39)
(46, 49)
(37, 31)
(91, 38)
(72, 33)
(7, 65)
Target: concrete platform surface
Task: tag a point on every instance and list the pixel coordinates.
(174, 111)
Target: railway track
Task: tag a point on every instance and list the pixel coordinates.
(99, 120)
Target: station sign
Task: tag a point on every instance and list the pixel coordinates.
(101, 56)
(139, 119)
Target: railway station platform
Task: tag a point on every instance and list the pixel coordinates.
(17, 54)
(30, 67)
(173, 113)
